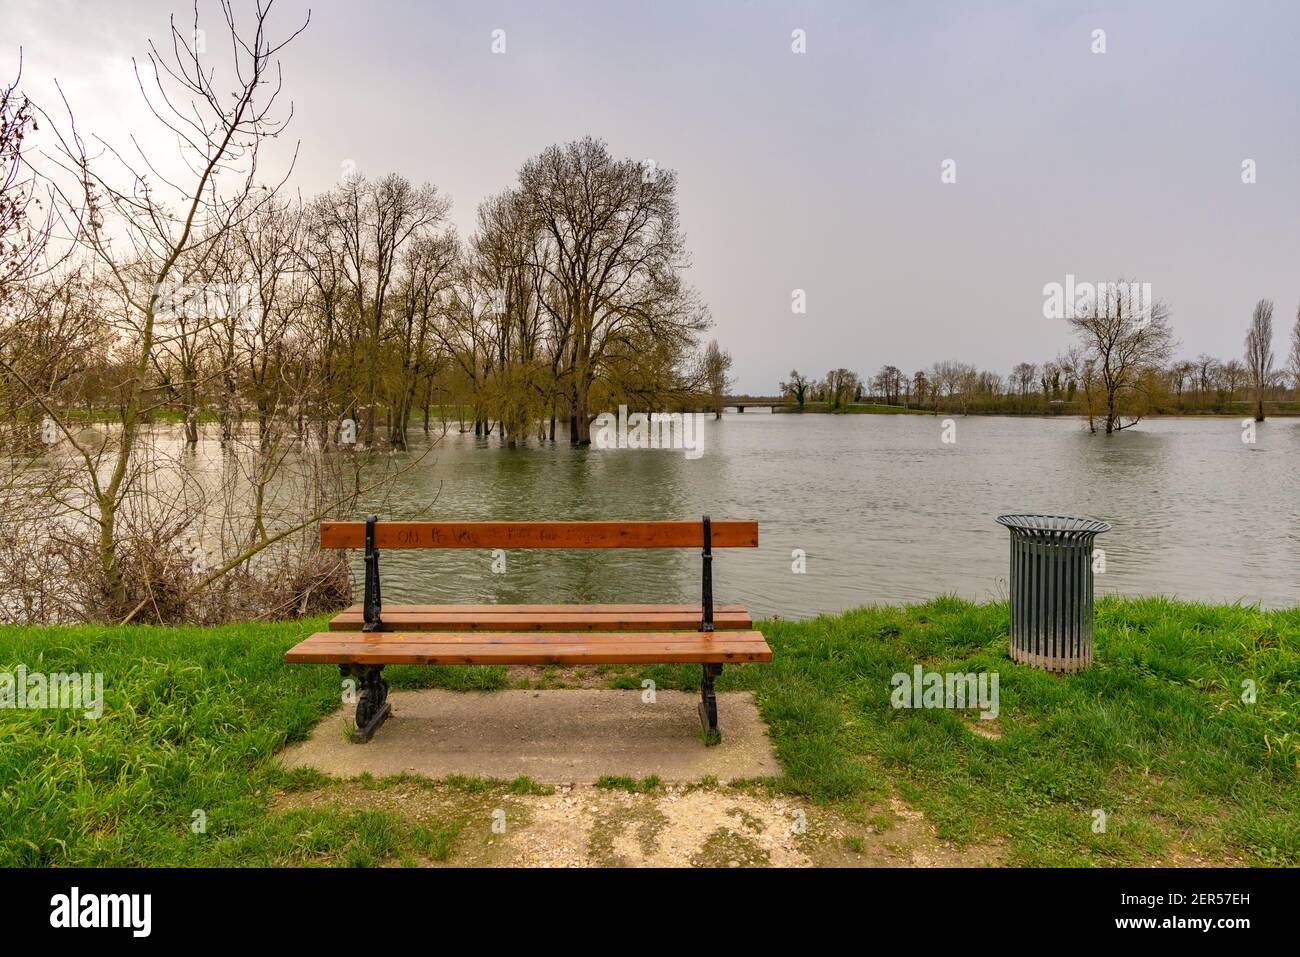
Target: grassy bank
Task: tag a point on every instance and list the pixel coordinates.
(1156, 735)
(1233, 410)
(863, 408)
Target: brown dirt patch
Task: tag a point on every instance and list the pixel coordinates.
(581, 825)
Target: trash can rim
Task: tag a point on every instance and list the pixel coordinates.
(1037, 522)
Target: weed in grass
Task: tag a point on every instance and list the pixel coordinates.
(526, 785)
(642, 819)
(611, 782)
(471, 783)
(727, 848)
(436, 844)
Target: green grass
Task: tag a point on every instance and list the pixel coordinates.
(618, 782)
(876, 408)
(861, 408)
(191, 719)
(1156, 735)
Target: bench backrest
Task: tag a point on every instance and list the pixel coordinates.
(397, 534)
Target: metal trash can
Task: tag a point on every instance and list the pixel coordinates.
(1051, 589)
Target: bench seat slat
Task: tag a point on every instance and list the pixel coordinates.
(519, 637)
(544, 618)
(725, 533)
(530, 648)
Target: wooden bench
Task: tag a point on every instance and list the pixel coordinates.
(365, 637)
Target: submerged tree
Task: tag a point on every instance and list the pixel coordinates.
(1124, 336)
(612, 261)
(717, 366)
(1259, 353)
(1294, 360)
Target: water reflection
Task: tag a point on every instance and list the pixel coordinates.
(884, 511)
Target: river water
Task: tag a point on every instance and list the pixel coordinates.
(883, 510)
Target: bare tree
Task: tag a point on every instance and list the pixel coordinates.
(1231, 375)
(136, 224)
(524, 355)
(841, 387)
(614, 255)
(267, 249)
(23, 240)
(1123, 336)
(1080, 368)
(920, 386)
(1207, 371)
(953, 381)
(944, 381)
(427, 270)
(796, 387)
(1259, 353)
(1294, 358)
(1180, 375)
(888, 382)
(1023, 376)
(371, 224)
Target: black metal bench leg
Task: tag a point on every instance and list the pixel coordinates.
(709, 702)
(373, 708)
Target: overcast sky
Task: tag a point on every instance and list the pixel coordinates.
(818, 171)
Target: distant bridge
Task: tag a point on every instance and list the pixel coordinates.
(742, 402)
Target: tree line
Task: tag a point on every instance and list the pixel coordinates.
(1119, 369)
(363, 304)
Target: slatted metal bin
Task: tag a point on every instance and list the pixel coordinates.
(1051, 589)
